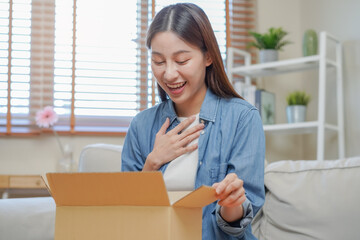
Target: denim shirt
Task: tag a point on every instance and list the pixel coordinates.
(232, 141)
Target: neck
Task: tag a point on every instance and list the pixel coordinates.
(186, 112)
(191, 107)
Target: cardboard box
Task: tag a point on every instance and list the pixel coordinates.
(125, 205)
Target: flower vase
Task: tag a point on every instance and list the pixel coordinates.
(66, 162)
(310, 43)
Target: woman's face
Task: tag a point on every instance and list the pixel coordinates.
(180, 69)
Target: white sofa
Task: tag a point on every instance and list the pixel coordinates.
(304, 200)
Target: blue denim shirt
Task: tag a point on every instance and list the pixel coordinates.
(232, 141)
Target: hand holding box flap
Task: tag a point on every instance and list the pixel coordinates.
(201, 197)
(108, 189)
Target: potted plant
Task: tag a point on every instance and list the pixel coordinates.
(269, 43)
(296, 109)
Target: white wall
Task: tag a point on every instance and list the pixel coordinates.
(285, 14)
(36, 155)
(339, 18)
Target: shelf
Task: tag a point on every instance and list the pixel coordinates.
(296, 128)
(281, 67)
(292, 128)
(320, 63)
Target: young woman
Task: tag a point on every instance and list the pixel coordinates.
(203, 132)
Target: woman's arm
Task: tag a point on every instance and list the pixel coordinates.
(241, 193)
(131, 157)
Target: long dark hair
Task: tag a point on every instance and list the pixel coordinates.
(190, 23)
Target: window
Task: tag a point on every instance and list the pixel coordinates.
(93, 68)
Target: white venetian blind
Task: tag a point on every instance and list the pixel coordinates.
(15, 38)
(103, 80)
(93, 68)
(242, 19)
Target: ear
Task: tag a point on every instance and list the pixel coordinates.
(208, 60)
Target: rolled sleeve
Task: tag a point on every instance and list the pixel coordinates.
(236, 228)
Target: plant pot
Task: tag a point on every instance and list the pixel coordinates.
(268, 55)
(296, 113)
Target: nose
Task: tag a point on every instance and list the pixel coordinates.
(171, 72)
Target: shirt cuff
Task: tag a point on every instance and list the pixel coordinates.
(238, 227)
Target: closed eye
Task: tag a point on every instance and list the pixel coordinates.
(182, 62)
(158, 62)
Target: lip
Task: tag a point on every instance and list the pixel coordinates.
(176, 90)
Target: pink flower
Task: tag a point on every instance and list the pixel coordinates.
(46, 117)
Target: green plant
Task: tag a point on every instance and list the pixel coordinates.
(273, 39)
(298, 98)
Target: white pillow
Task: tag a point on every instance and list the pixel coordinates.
(312, 200)
(27, 218)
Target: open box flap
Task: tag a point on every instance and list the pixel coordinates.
(201, 197)
(108, 189)
(44, 178)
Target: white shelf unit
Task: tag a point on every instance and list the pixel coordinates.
(320, 62)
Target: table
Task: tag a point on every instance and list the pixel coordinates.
(22, 186)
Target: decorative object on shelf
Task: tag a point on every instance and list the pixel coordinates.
(269, 43)
(265, 103)
(296, 109)
(310, 43)
(47, 118)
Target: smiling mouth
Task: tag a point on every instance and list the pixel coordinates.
(175, 86)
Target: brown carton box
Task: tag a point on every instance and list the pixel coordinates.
(125, 205)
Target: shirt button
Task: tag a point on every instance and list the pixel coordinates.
(200, 162)
(202, 132)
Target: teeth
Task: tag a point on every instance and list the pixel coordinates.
(176, 85)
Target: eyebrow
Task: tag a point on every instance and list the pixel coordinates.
(175, 54)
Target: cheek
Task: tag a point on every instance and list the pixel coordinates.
(194, 71)
(157, 71)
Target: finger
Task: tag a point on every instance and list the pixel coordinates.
(184, 124)
(192, 130)
(235, 203)
(187, 140)
(233, 198)
(164, 126)
(225, 182)
(186, 149)
(230, 188)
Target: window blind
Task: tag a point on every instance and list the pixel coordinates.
(96, 77)
(242, 19)
(88, 59)
(15, 38)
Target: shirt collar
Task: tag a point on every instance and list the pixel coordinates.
(207, 112)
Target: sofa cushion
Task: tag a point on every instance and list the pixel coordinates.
(27, 218)
(312, 200)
